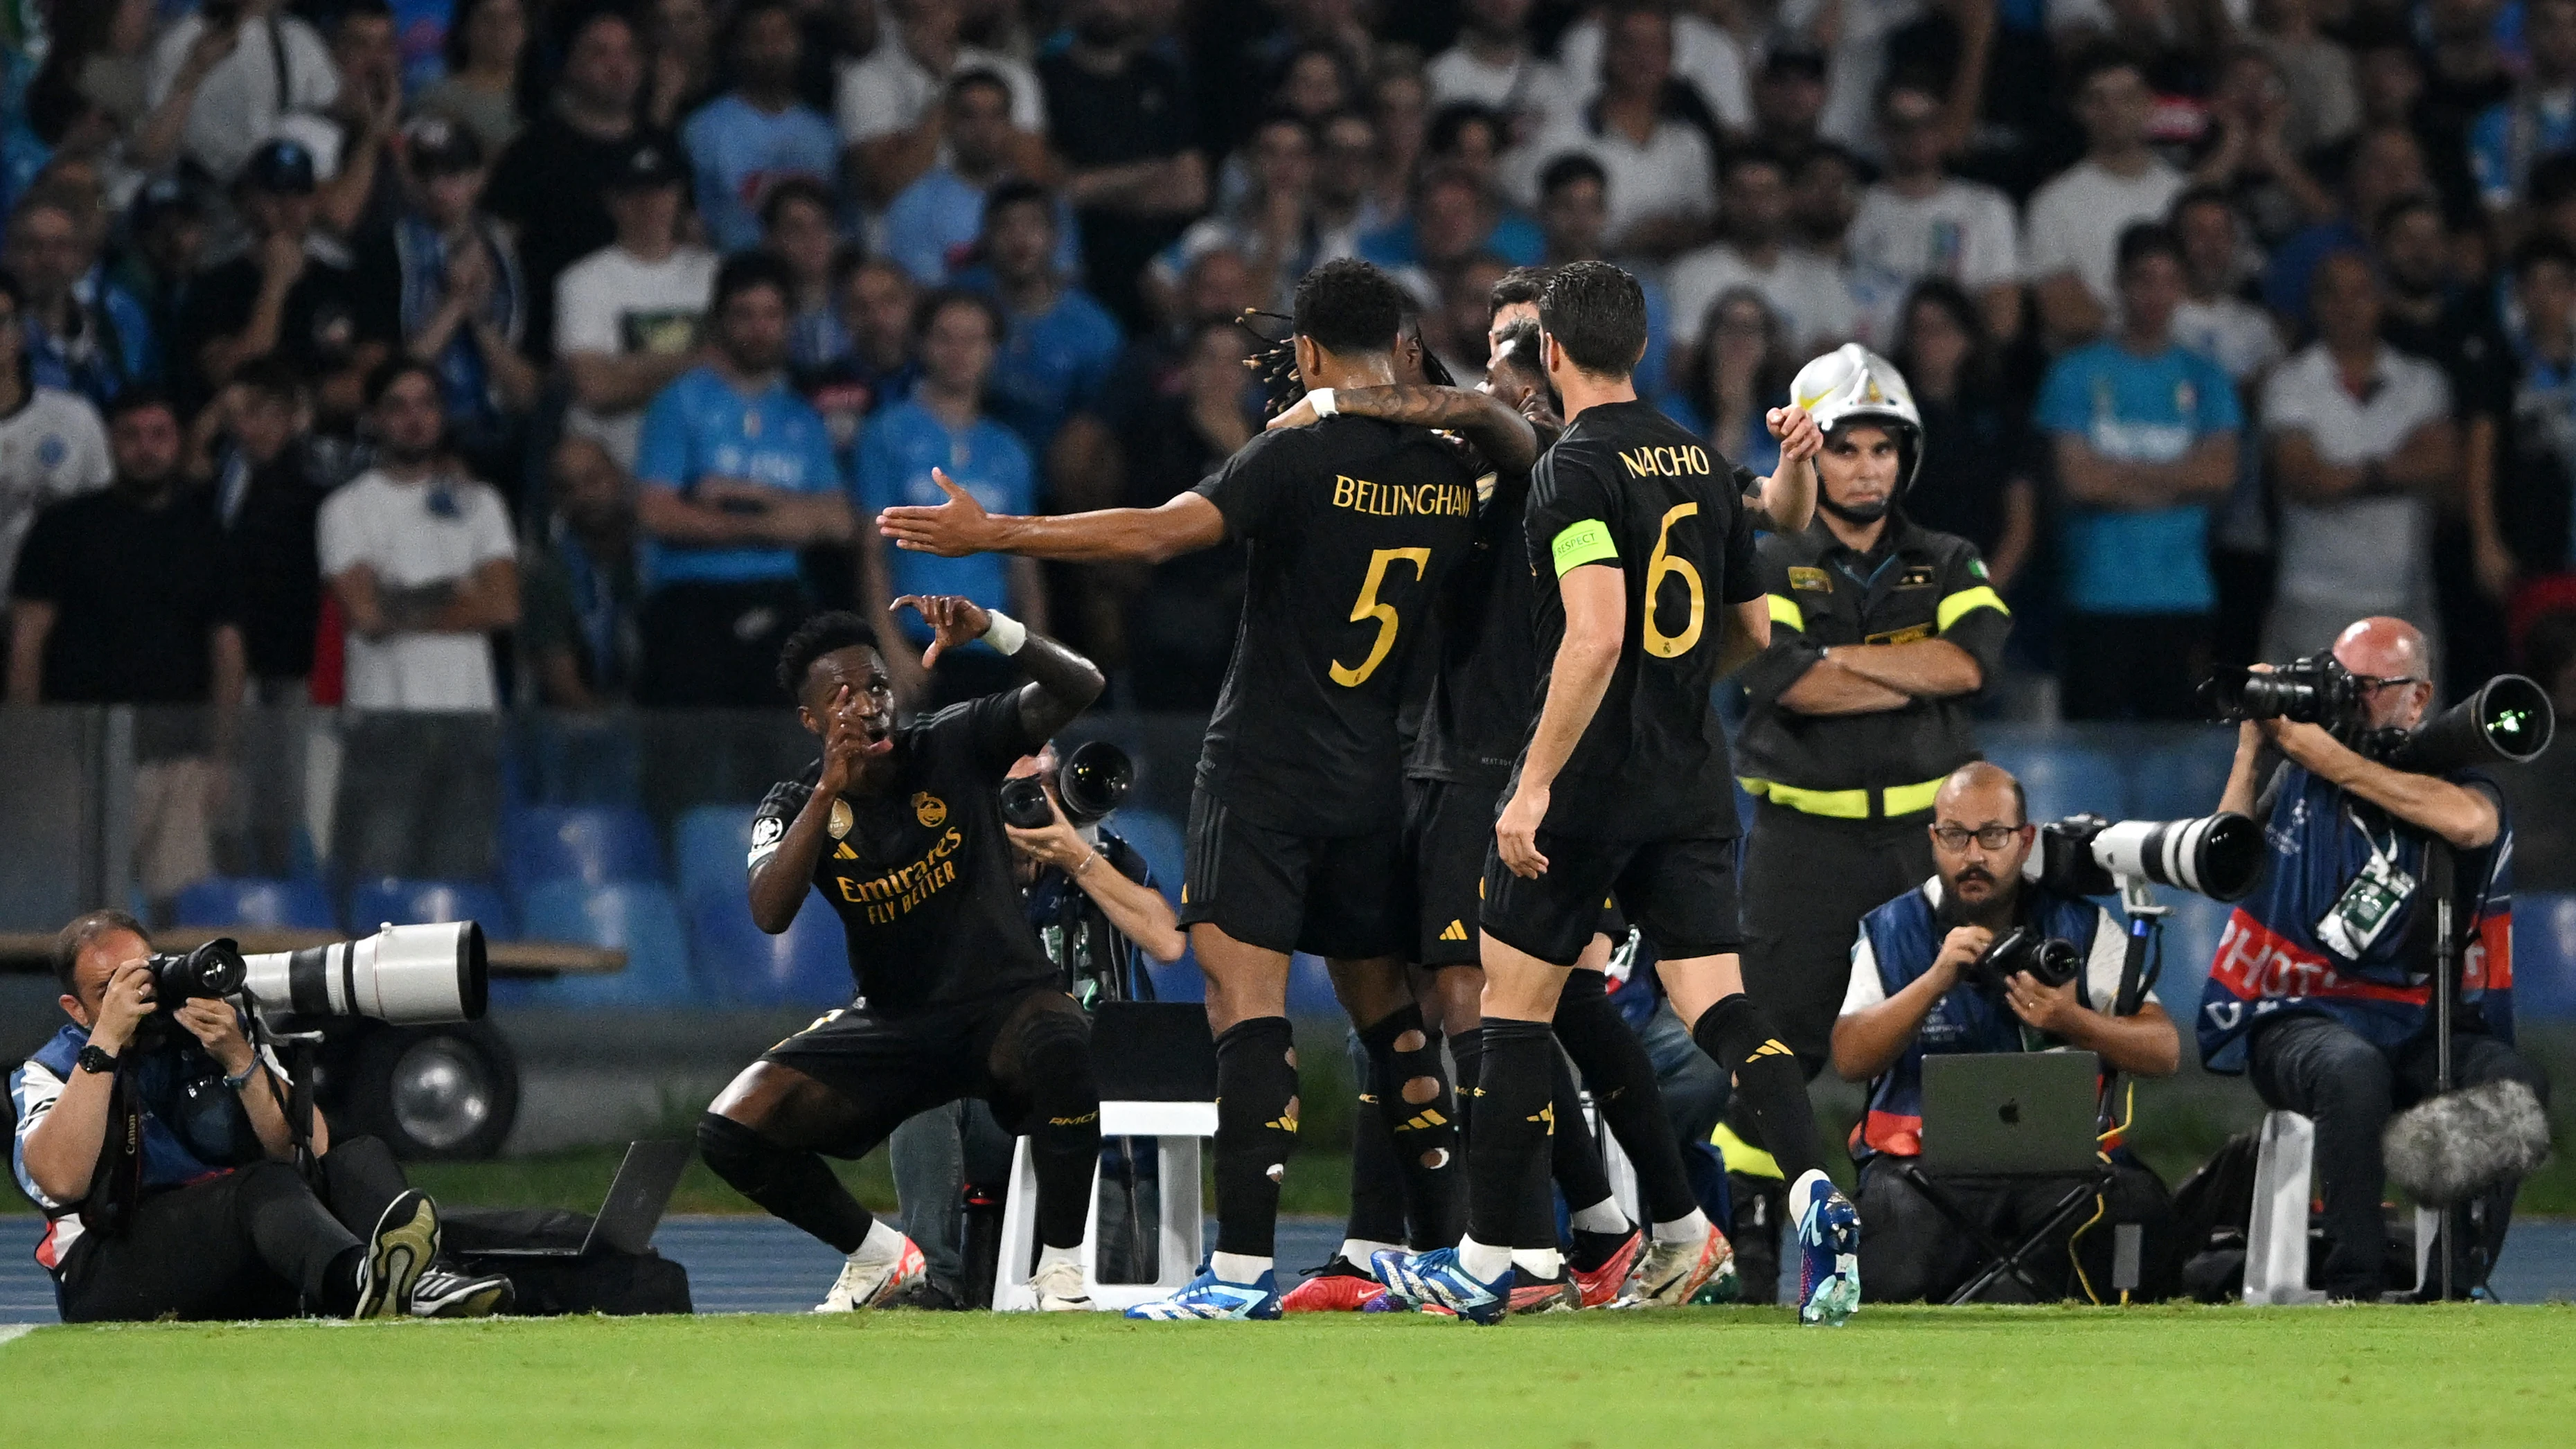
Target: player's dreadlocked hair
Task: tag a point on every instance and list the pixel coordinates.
(1273, 359)
(816, 637)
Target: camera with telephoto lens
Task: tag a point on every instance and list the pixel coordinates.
(2507, 721)
(2051, 961)
(2219, 856)
(1091, 782)
(406, 975)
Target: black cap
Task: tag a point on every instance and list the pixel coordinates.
(647, 163)
(437, 146)
(1794, 56)
(282, 167)
(166, 197)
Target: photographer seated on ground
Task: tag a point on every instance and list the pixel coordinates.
(2320, 991)
(1920, 984)
(1092, 901)
(204, 1216)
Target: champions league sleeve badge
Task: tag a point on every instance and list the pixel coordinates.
(841, 818)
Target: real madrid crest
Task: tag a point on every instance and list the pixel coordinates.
(841, 819)
(930, 810)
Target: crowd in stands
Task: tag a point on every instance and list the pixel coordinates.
(2230, 319)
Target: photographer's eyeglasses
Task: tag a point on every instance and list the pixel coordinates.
(1990, 837)
(2373, 683)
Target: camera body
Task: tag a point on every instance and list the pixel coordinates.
(2508, 720)
(2051, 960)
(213, 970)
(1091, 782)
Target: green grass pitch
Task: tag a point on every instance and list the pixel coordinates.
(2353, 1378)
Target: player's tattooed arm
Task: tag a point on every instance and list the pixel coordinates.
(960, 526)
(1496, 428)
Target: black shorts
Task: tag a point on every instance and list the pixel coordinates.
(1342, 896)
(1447, 826)
(1681, 893)
(894, 1067)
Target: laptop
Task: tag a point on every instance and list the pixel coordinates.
(636, 1198)
(2009, 1114)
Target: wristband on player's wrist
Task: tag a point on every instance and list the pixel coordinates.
(1004, 633)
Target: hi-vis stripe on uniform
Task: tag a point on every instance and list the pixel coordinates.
(1951, 609)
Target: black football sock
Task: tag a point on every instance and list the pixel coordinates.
(1256, 1129)
(1053, 1059)
(1411, 1085)
(1622, 1078)
(1574, 1153)
(795, 1186)
(338, 1295)
(1513, 1119)
(1467, 1049)
(1739, 1038)
(1377, 1184)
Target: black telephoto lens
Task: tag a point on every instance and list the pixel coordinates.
(1093, 781)
(1024, 804)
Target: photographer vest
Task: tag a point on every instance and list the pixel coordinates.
(2334, 857)
(1899, 942)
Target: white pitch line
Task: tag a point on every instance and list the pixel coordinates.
(10, 1331)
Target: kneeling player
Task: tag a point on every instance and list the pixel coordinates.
(901, 830)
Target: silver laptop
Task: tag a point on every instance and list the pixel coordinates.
(636, 1199)
(2009, 1114)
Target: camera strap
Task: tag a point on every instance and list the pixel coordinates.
(116, 1183)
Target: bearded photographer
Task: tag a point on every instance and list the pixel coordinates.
(155, 1139)
(2320, 993)
(1091, 899)
(1926, 978)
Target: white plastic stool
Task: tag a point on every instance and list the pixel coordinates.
(1614, 1162)
(1177, 1128)
(2276, 1238)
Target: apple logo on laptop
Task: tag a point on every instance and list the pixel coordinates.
(2010, 1111)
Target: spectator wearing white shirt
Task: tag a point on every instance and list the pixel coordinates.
(628, 317)
(889, 108)
(424, 568)
(278, 67)
(1493, 66)
(52, 444)
(1918, 221)
(2215, 318)
(1706, 56)
(1658, 167)
(2072, 241)
(2360, 438)
(1810, 294)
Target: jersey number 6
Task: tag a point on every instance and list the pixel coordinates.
(1368, 607)
(1660, 563)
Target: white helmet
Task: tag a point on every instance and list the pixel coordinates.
(1852, 384)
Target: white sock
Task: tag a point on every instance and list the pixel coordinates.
(1537, 1262)
(1356, 1251)
(882, 1245)
(1692, 1229)
(1237, 1267)
(1049, 1257)
(1482, 1261)
(1602, 1217)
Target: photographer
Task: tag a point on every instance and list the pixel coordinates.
(2320, 991)
(155, 1139)
(1922, 981)
(1092, 901)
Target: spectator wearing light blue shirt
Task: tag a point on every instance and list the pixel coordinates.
(757, 134)
(1058, 345)
(931, 227)
(2144, 435)
(2538, 118)
(918, 451)
(735, 474)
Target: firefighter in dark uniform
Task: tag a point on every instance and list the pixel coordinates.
(1882, 636)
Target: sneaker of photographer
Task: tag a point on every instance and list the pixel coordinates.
(876, 1274)
(1060, 1287)
(398, 1253)
(446, 1293)
(1340, 1286)
(1670, 1273)
(1829, 1251)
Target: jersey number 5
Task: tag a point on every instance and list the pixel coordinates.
(1660, 563)
(1368, 607)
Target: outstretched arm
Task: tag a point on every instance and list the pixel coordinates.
(960, 526)
(1497, 429)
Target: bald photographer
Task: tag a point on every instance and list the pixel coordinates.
(155, 1139)
(2322, 990)
(1979, 959)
